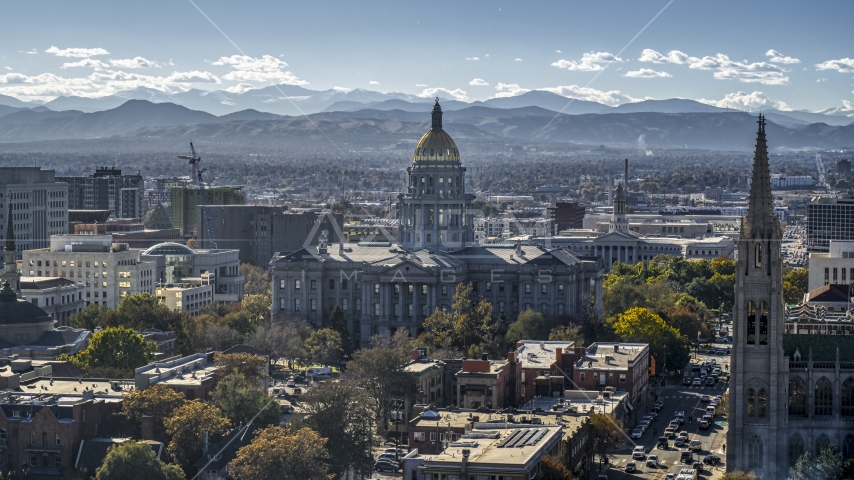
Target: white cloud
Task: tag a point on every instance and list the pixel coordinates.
(758, 72)
(646, 73)
(240, 88)
(746, 101)
(478, 82)
(590, 62)
(843, 65)
(420, 84)
(137, 62)
(76, 52)
(673, 56)
(31, 52)
(612, 98)
(487, 55)
(821, 80)
(518, 60)
(342, 89)
(457, 93)
(373, 82)
(472, 58)
(509, 90)
(777, 57)
(171, 63)
(86, 62)
(8, 68)
(557, 51)
(264, 69)
(99, 83)
(847, 105)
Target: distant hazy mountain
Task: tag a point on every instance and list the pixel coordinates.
(34, 115)
(673, 105)
(810, 117)
(6, 110)
(14, 102)
(549, 101)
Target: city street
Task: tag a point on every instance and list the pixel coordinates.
(675, 398)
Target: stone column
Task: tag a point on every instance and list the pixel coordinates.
(415, 312)
(400, 302)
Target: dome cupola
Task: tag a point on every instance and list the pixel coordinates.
(436, 147)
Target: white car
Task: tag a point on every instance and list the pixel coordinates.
(637, 433)
(652, 461)
(639, 452)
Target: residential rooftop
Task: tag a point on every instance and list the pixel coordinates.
(540, 354)
(611, 356)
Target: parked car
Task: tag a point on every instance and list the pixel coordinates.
(705, 398)
(388, 456)
(710, 381)
(704, 424)
(386, 466)
(291, 383)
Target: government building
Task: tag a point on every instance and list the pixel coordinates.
(790, 393)
(389, 285)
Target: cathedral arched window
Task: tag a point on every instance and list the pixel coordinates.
(821, 443)
(751, 402)
(796, 448)
(848, 397)
(754, 453)
(757, 254)
(797, 397)
(763, 323)
(848, 447)
(823, 397)
(751, 322)
(761, 402)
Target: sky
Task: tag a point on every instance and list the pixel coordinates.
(749, 55)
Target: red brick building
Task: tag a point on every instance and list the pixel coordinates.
(486, 383)
(624, 366)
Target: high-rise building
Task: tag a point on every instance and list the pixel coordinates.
(567, 215)
(107, 189)
(829, 218)
(259, 231)
(184, 202)
(789, 393)
(37, 204)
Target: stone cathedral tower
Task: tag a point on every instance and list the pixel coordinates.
(10, 257)
(756, 440)
(436, 211)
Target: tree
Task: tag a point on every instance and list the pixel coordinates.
(253, 367)
(795, 285)
(240, 399)
(642, 326)
(283, 339)
(380, 371)
(90, 317)
(553, 469)
(118, 348)
(606, 433)
(338, 322)
(827, 466)
(158, 402)
(466, 322)
(340, 412)
(529, 325)
(324, 347)
(241, 322)
(258, 307)
(258, 280)
(187, 426)
(282, 454)
(567, 333)
(135, 461)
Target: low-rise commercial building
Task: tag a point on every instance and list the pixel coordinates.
(192, 376)
(486, 383)
(58, 297)
(175, 263)
(621, 366)
(836, 266)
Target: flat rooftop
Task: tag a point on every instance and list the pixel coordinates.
(540, 354)
(611, 356)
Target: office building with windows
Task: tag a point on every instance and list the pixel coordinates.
(829, 218)
(36, 204)
(107, 189)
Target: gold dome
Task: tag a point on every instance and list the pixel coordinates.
(436, 146)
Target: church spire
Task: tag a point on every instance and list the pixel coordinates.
(760, 205)
(437, 116)
(10, 233)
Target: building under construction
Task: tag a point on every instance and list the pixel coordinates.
(185, 200)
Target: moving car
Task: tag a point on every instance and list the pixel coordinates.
(705, 398)
(384, 465)
(639, 452)
(652, 461)
(694, 446)
(680, 442)
(680, 416)
(697, 466)
(686, 456)
(637, 433)
(683, 435)
(686, 381)
(710, 381)
(669, 432)
(704, 424)
(631, 467)
(697, 382)
(711, 459)
(670, 476)
(291, 384)
(662, 443)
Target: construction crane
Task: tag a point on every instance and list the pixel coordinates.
(206, 214)
(194, 159)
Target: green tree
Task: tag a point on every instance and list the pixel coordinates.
(240, 398)
(258, 281)
(241, 322)
(135, 461)
(90, 317)
(187, 427)
(340, 412)
(253, 367)
(338, 322)
(324, 346)
(553, 469)
(257, 307)
(828, 465)
(795, 285)
(118, 348)
(380, 371)
(567, 333)
(642, 326)
(281, 454)
(529, 325)
(158, 402)
(282, 339)
(467, 322)
(607, 434)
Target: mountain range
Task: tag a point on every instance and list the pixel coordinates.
(366, 117)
